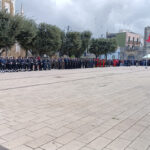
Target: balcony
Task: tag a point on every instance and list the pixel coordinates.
(134, 42)
(135, 48)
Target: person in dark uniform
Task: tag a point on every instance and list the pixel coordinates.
(44, 64)
(3, 64)
(35, 64)
(7, 65)
(31, 64)
(19, 64)
(40, 63)
(48, 64)
(14, 66)
(66, 63)
(28, 64)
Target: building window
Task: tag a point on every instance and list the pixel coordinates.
(129, 39)
(133, 39)
(137, 41)
(133, 47)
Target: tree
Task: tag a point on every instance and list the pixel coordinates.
(110, 46)
(9, 28)
(114, 46)
(97, 47)
(73, 44)
(27, 33)
(48, 39)
(86, 39)
(103, 46)
(63, 43)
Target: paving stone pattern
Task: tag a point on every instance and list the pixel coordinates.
(84, 109)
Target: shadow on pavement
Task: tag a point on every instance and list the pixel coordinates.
(2, 148)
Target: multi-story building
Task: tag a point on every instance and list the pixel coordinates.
(16, 50)
(147, 39)
(130, 44)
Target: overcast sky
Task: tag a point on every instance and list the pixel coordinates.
(98, 16)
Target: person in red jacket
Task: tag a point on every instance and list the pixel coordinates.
(97, 60)
(103, 63)
(100, 63)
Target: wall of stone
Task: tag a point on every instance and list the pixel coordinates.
(14, 52)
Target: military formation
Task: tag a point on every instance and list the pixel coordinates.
(23, 64)
(38, 64)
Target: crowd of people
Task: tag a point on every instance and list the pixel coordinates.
(38, 64)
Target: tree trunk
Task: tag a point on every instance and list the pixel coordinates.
(106, 57)
(6, 52)
(26, 53)
(105, 60)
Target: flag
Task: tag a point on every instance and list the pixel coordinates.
(148, 40)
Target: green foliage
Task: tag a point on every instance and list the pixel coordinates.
(103, 46)
(27, 33)
(73, 44)
(9, 28)
(48, 39)
(114, 45)
(86, 39)
(63, 43)
(97, 47)
(110, 46)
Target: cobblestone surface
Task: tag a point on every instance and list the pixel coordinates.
(91, 109)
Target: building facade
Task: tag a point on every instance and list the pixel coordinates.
(147, 39)
(130, 45)
(8, 5)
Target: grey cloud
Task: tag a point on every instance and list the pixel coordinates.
(99, 16)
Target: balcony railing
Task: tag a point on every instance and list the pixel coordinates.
(135, 48)
(134, 42)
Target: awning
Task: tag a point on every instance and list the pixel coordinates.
(147, 56)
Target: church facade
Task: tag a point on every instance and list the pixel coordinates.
(8, 5)
(16, 50)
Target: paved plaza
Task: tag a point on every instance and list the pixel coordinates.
(85, 109)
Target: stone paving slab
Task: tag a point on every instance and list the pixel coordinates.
(83, 109)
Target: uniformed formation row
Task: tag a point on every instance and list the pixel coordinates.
(37, 63)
